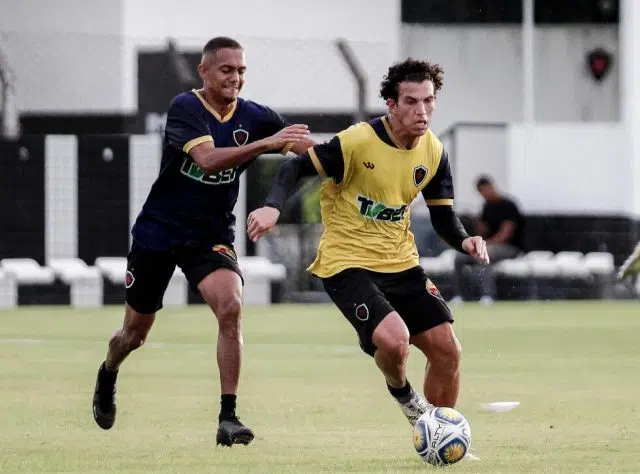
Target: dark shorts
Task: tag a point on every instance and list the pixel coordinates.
(149, 271)
(366, 297)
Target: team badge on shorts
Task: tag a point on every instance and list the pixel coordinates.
(240, 136)
(129, 279)
(362, 312)
(224, 250)
(419, 175)
(433, 289)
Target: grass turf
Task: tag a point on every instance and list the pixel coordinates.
(316, 403)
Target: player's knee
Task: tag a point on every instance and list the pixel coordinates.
(228, 313)
(394, 346)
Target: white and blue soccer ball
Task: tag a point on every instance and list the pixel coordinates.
(442, 436)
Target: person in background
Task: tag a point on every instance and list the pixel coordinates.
(502, 226)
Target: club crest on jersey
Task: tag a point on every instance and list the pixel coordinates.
(240, 136)
(419, 175)
(224, 250)
(433, 290)
(129, 279)
(362, 312)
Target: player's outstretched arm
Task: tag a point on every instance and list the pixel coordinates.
(448, 226)
(212, 160)
(262, 220)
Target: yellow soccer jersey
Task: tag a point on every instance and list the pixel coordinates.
(371, 181)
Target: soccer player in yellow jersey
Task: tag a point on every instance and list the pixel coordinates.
(367, 258)
(631, 265)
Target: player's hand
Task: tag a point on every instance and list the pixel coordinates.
(290, 134)
(477, 248)
(261, 221)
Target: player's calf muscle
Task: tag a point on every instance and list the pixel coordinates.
(130, 337)
(121, 345)
(391, 339)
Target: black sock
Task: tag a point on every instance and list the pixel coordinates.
(227, 406)
(401, 394)
(106, 375)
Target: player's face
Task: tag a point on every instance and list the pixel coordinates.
(414, 107)
(223, 73)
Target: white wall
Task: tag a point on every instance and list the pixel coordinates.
(570, 169)
(293, 63)
(483, 72)
(478, 150)
(80, 55)
(630, 62)
(66, 54)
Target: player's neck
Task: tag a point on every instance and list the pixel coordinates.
(402, 137)
(221, 106)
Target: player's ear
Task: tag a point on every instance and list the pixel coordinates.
(201, 70)
(391, 103)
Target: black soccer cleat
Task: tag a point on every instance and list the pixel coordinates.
(104, 399)
(231, 431)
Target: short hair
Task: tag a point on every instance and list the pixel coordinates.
(484, 180)
(410, 70)
(220, 42)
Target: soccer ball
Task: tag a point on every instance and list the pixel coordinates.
(442, 436)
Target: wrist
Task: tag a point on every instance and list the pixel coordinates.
(264, 145)
(273, 205)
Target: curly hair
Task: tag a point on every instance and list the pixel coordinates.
(410, 70)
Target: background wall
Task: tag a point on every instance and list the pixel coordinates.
(483, 72)
(86, 61)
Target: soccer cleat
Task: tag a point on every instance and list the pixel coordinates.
(104, 399)
(631, 265)
(469, 456)
(414, 408)
(231, 431)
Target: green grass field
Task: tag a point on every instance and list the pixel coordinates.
(316, 403)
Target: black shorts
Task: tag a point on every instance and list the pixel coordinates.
(366, 297)
(149, 271)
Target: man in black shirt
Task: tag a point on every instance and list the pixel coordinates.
(502, 226)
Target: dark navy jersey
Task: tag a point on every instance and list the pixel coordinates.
(184, 205)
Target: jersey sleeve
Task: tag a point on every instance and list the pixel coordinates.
(332, 159)
(328, 159)
(186, 128)
(439, 191)
(271, 124)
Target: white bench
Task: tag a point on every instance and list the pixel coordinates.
(85, 282)
(113, 268)
(33, 284)
(258, 274)
(443, 264)
(27, 271)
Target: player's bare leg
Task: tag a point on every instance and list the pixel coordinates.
(631, 265)
(391, 338)
(442, 374)
(222, 290)
(130, 337)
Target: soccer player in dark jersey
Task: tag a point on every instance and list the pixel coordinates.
(211, 136)
(367, 258)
